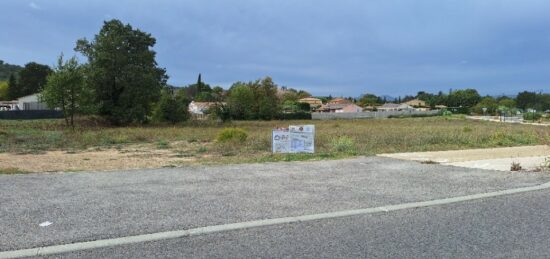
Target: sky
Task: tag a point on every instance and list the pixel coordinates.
(341, 48)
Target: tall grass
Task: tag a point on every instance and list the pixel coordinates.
(333, 138)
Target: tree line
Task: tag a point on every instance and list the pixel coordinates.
(469, 100)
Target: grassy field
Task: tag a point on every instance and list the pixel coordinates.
(196, 141)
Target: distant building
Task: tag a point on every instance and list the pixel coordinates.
(313, 102)
(395, 107)
(340, 108)
(339, 101)
(440, 107)
(26, 103)
(200, 108)
(416, 103)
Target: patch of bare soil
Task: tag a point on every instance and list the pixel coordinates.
(136, 157)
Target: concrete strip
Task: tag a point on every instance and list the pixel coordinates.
(504, 164)
(454, 156)
(57, 249)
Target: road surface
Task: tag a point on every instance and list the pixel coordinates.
(102, 206)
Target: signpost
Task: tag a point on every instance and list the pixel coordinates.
(294, 139)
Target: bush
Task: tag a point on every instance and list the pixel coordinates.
(232, 135)
(294, 116)
(343, 144)
(530, 116)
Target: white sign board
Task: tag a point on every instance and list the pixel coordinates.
(280, 139)
(295, 139)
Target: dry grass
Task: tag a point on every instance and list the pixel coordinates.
(195, 142)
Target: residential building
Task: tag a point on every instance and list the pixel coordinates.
(339, 108)
(339, 101)
(313, 102)
(395, 107)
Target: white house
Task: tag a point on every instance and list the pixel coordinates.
(30, 102)
(395, 107)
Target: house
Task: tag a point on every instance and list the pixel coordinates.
(416, 103)
(339, 101)
(395, 107)
(29, 102)
(313, 102)
(440, 107)
(200, 108)
(340, 108)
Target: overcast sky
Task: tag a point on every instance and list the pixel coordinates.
(326, 47)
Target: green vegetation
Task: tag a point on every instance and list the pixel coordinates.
(12, 170)
(65, 89)
(532, 116)
(8, 69)
(127, 86)
(4, 91)
(334, 139)
(232, 135)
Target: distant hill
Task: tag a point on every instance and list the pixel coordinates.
(7, 69)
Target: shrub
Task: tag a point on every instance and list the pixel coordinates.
(300, 115)
(232, 135)
(343, 144)
(530, 116)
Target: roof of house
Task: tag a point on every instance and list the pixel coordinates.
(309, 99)
(339, 101)
(415, 102)
(390, 105)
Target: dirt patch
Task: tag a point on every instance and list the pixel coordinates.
(96, 160)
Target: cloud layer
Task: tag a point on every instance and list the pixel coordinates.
(340, 48)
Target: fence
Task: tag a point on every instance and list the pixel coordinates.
(369, 115)
(30, 115)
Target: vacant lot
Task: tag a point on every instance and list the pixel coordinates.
(46, 145)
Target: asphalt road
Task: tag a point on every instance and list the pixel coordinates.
(101, 205)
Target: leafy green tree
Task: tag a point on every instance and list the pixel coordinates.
(13, 88)
(241, 101)
(466, 98)
(369, 100)
(528, 100)
(3, 91)
(32, 78)
(123, 72)
(507, 102)
(7, 69)
(171, 108)
(65, 89)
(265, 92)
(489, 103)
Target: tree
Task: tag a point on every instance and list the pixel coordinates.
(466, 98)
(527, 100)
(7, 69)
(489, 103)
(265, 92)
(171, 108)
(241, 101)
(65, 89)
(507, 102)
(369, 100)
(123, 72)
(13, 88)
(32, 78)
(4, 91)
